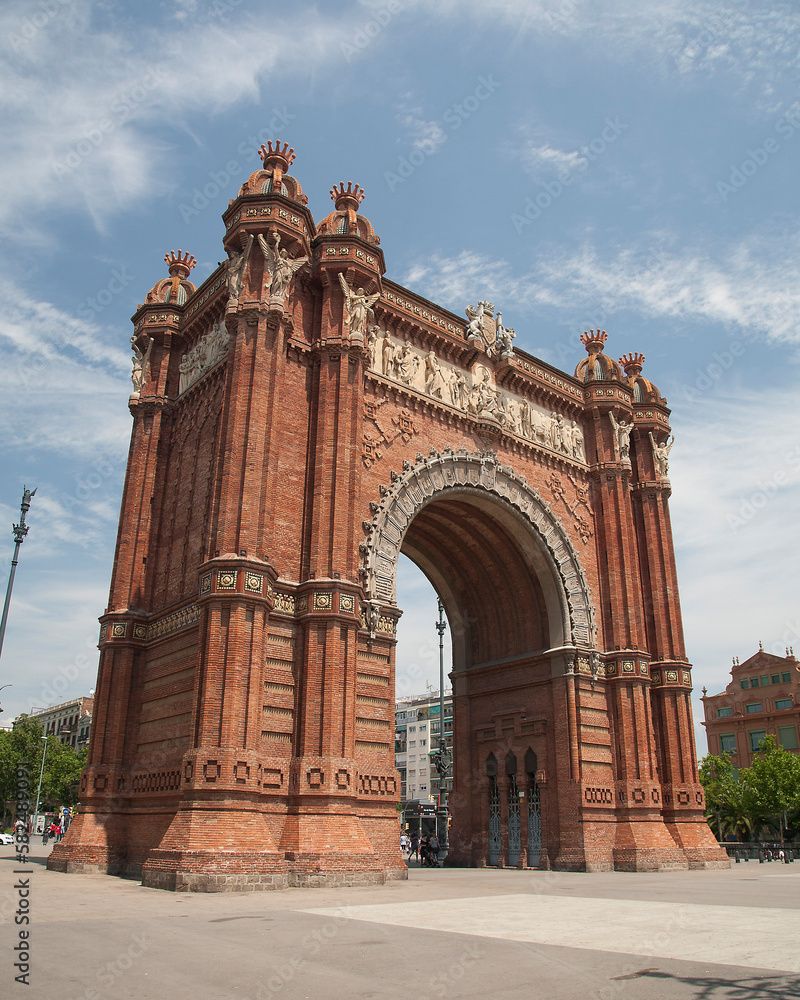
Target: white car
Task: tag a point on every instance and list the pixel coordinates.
(6, 838)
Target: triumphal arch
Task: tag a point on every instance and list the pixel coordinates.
(299, 420)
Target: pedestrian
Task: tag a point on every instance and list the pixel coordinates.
(423, 850)
(414, 851)
(403, 842)
(433, 849)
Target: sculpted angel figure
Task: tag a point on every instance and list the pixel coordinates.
(475, 325)
(235, 270)
(140, 361)
(279, 267)
(661, 454)
(375, 353)
(359, 308)
(622, 435)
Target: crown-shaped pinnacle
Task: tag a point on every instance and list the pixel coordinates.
(180, 263)
(632, 363)
(347, 197)
(276, 152)
(594, 340)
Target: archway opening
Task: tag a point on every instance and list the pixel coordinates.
(503, 612)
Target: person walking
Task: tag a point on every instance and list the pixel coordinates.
(433, 850)
(403, 842)
(414, 849)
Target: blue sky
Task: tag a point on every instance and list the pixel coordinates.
(628, 165)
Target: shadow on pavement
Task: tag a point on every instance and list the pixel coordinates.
(764, 987)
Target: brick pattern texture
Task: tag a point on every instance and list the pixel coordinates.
(243, 734)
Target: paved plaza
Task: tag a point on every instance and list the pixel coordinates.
(447, 933)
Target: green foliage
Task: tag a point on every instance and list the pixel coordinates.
(730, 806)
(763, 795)
(774, 783)
(23, 745)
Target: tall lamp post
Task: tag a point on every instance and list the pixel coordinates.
(442, 759)
(41, 772)
(20, 531)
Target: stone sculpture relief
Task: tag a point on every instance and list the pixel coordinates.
(475, 393)
(358, 306)
(140, 363)
(234, 272)
(661, 455)
(204, 355)
(279, 269)
(487, 331)
(622, 437)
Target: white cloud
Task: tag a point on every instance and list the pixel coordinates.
(752, 288)
(545, 160)
(92, 141)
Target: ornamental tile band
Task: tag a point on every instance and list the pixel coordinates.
(226, 580)
(253, 583)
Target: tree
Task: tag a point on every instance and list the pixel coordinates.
(23, 746)
(774, 783)
(730, 805)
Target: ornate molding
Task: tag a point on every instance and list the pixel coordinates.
(432, 476)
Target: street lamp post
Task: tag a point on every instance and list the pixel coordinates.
(442, 758)
(20, 531)
(39, 789)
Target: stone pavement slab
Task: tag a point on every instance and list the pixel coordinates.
(449, 933)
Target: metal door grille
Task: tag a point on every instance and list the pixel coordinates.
(534, 826)
(495, 840)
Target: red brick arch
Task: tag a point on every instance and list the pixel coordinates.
(509, 506)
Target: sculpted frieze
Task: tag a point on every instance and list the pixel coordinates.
(475, 393)
(210, 349)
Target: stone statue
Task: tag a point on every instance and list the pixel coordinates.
(661, 454)
(406, 365)
(359, 308)
(577, 442)
(483, 401)
(234, 272)
(434, 379)
(622, 435)
(389, 357)
(140, 362)
(279, 268)
(504, 338)
(475, 326)
(375, 353)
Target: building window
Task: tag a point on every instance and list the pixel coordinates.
(776, 678)
(423, 743)
(753, 707)
(724, 713)
(727, 743)
(786, 678)
(412, 729)
(745, 683)
(764, 681)
(756, 736)
(412, 743)
(782, 703)
(787, 737)
(753, 682)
